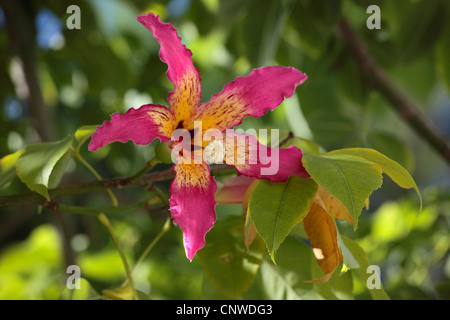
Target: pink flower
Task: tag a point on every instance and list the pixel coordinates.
(192, 202)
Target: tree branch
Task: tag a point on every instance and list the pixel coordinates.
(377, 79)
(32, 198)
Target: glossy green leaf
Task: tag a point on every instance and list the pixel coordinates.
(8, 167)
(361, 257)
(59, 169)
(350, 179)
(36, 164)
(226, 262)
(393, 169)
(276, 207)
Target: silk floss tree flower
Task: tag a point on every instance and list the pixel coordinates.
(192, 202)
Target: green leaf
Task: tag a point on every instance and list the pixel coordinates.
(83, 133)
(226, 262)
(286, 279)
(36, 164)
(299, 231)
(339, 286)
(8, 167)
(361, 257)
(393, 169)
(305, 145)
(350, 179)
(349, 260)
(58, 170)
(276, 207)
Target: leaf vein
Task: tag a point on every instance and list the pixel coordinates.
(282, 201)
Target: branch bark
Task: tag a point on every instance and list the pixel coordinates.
(378, 80)
(33, 198)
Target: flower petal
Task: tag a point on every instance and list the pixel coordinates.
(254, 159)
(192, 204)
(264, 89)
(181, 72)
(139, 125)
(232, 190)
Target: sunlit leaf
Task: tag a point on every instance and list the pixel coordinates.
(350, 179)
(37, 162)
(8, 167)
(276, 208)
(394, 170)
(83, 133)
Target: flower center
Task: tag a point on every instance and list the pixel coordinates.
(214, 152)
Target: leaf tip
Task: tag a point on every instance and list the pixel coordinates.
(272, 256)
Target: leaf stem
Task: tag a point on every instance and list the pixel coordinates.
(163, 197)
(32, 198)
(148, 166)
(106, 223)
(94, 211)
(95, 173)
(165, 229)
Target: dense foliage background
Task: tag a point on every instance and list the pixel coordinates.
(112, 64)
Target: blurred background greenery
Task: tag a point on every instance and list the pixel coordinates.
(112, 64)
